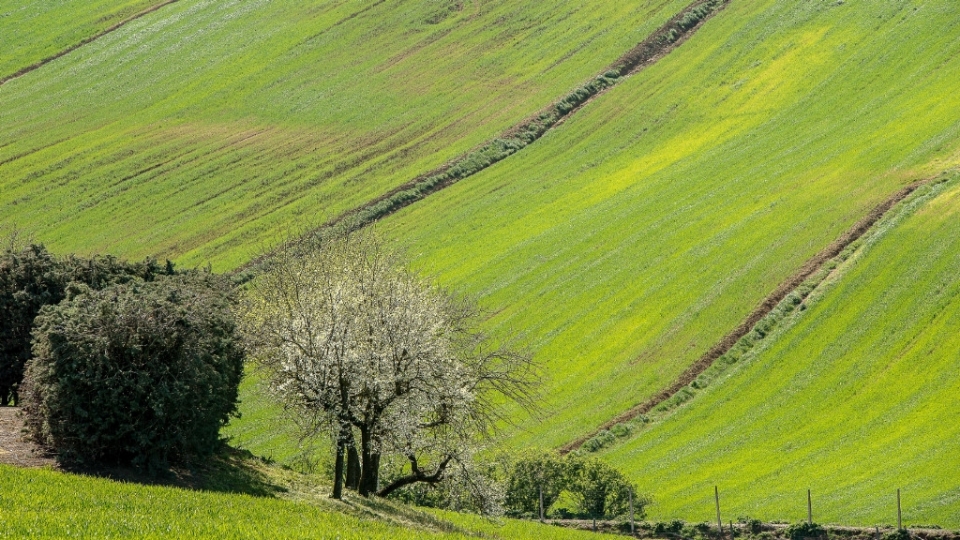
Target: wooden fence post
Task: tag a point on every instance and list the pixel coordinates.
(716, 494)
(899, 513)
(540, 489)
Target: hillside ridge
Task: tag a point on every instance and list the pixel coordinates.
(791, 285)
(661, 42)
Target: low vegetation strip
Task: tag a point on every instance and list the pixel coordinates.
(36, 65)
(660, 43)
(791, 285)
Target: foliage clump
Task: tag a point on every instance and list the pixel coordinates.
(597, 489)
(141, 372)
(897, 534)
(805, 531)
(30, 278)
(533, 474)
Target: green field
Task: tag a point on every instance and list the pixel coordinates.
(619, 247)
(630, 240)
(47, 504)
(853, 400)
(205, 129)
(34, 31)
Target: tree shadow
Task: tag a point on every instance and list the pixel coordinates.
(228, 471)
(390, 511)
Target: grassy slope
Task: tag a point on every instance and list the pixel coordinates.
(855, 400)
(48, 504)
(631, 239)
(33, 31)
(204, 128)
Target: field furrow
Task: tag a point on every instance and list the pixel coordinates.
(850, 397)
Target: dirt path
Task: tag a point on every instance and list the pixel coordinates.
(766, 306)
(13, 449)
(90, 39)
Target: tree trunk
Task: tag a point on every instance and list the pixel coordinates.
(374, 473)
(415, 476)
(369, 463)
(338, 472)
(353, 466)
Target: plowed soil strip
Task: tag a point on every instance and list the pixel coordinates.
(90, 39)
(660, 43)
(766, 306)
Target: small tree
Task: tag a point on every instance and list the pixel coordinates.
(601, 490)
(358, 345)
(139, 372)
(533, 474)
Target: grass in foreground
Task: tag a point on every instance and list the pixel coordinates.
(50, 504)
(854, 398)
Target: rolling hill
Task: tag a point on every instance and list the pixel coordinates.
(621, 246)
(204, 130)
(629, 241)
(34, 32)
(852, 398)
(50, 504)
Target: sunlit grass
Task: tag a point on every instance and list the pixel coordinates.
(629, 241)
(49, 504)
(205, 129)
(35, 31)
(855, 400)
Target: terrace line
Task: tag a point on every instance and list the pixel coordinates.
(656, 46)
(85, 41)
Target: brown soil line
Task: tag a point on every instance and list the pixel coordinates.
(810, 267)
(85, 41)
(656, 46)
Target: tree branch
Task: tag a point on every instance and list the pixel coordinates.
(416, 476)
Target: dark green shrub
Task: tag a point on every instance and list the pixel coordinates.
(750, 525)
(670, 527)
(897, 534)
(142, 372)
(30, 278)
(533, 471)
(602, 491)
(804, 530)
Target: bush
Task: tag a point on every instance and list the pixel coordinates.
(30, 278)
(672, 527)
(531, 473)
(750, 525)
(897, 534)
(602, 491)
(804, 530)
(142, 372)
